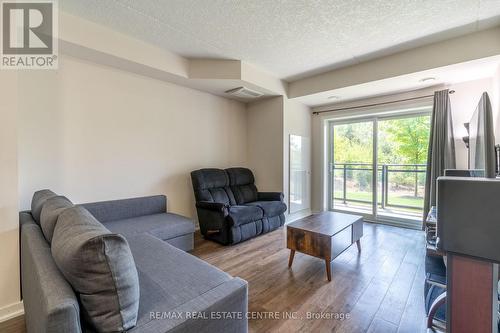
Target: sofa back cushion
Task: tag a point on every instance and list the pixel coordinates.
(241, 181)
(39, 198)
(212, 185)
(51, 210)
(99, 266)
(114, 210)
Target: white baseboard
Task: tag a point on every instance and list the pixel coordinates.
(11, 311)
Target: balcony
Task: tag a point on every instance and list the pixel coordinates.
(400, 189)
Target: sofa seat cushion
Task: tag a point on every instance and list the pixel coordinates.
(270, 208)
(99, 266)
(163, 226)
(169, 277)
(200, 314)
(244, 214)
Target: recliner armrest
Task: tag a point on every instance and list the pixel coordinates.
(213, 206)
(270, 196)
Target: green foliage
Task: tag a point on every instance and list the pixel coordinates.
(400, 141)
(406, 140)
(353, 143)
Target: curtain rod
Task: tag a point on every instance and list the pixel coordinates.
(377, 104)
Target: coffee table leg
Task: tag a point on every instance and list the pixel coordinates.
(358, 243)
(328, 269)
(290, 260)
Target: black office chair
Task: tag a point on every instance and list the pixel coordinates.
(435, 292)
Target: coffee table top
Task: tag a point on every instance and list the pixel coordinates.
(325, 223)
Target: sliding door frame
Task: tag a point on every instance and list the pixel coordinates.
(332, 124)
(374, 118)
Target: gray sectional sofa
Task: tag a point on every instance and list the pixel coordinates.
(158, 286)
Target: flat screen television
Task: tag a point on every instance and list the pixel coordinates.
(482, 139)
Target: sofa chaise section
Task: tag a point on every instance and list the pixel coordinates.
(174, 282)
(135, 216)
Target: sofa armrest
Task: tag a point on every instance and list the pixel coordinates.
(213, 206)
(211, 215)
(270, 196)
(50, 305)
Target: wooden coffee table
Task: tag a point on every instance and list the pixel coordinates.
(324, 235)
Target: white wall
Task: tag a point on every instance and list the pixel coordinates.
(9, 220)
(496, 102)
(318, 167)
(265, 143)
(463, 105)
(270, 123)
(297, 121)
(92, 132)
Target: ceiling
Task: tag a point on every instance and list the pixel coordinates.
(447, 75)
(289, 39)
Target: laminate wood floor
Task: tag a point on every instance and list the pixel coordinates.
(377, 290)
(381, 289)
(14, 325)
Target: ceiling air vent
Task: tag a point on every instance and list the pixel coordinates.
(244, 92)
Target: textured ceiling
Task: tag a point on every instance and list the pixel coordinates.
(448, 75)
(290, 39)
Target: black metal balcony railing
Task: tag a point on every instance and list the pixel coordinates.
(384, 171)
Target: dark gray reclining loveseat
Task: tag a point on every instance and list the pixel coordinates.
(230, 209)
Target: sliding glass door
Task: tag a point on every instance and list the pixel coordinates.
(352, 176)
(377, 167)
(402, 160)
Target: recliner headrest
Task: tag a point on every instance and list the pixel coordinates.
(209, 178)
(240, 176)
